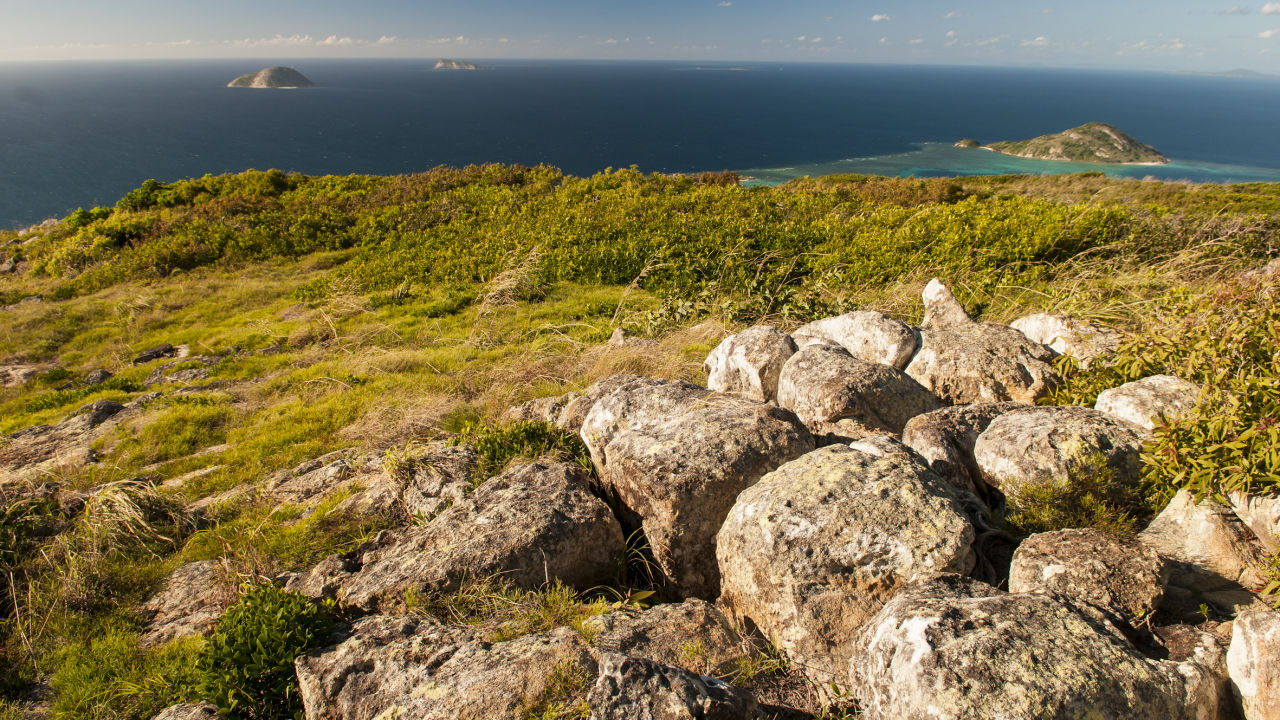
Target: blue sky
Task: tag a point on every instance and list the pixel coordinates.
(1196, 35)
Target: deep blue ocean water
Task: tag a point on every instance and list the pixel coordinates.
(83, 134)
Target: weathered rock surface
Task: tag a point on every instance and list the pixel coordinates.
(193, 368)
(410, 667)
(15, 375)
(681, 476)
(575, 411)
(749, 363)
(835, 393)
(1261, 513)
(945, 439)
(1254, 662)
(160, 351)
(189, 711)
(634, 402)
(317, 478)
(1066, 335)
(532, 523)
(97, 377)
(419, 485)
(981, 362)
(39, 449)
(818, 546)
(867, 335)
(1091, 566)
(1141, 402)
(941, 309)
(631, 688)
(543, 409)
(1040, 445)
(692, 634)
(950, 647)
(191, 602)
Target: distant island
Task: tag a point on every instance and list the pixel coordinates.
(1093, 142)
(456, 65)
(273, 77)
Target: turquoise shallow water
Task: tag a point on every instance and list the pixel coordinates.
(946, 160)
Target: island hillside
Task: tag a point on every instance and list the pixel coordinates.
(455, 65)
(278, 78)
(1092, 142)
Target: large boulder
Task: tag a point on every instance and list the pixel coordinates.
(417, 485)
(533, 523)
(634, 402)
(640, 689)
(189, 711)
(692, 634)
(1261, 513)
(40, 450)
(1091, 566)
(15, 375)
(543, 409)
(1066, 335)
(981, 362)
(941, 309)
(866, 334)
(411, 667)
(835, 393)
(575, 410)
(945, 439)
(1142, 402)
(1040, 445)
(1253, 662)
(815, 549)
(681, 476)
(749, 363)
(191, 602)
(950, 647)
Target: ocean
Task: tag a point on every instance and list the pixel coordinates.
(83, 134)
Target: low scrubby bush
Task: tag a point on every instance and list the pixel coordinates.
(498, 445)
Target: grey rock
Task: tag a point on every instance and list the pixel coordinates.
(575, 411)
(692, 634)
(8, 265)
(189, 711)
(155, 353)
(1253, 662)
(1066, 335)
(1091, 566)
(1141, 402)
(634, 402)
(39, 450)
(15, 375)
(420, 485)
(941, 309)
(543, 409)
(749, 363)
(1261, 513)
(835, 393)
(194, 368)
(981, 362)
(191, 602)
(945, 439)
(641, 689)
(97, 377)
(811, 552)
(866, 334)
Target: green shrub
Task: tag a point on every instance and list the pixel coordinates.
(1090, 497)
(246, 666)
(499, 445)
(110, 676)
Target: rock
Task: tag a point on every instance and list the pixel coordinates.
(681, 476)
(632, 402)
(945, 439)
(531, 524)
(420, 485)
(749, 363)
(941, 309)
(622, 338)
(1069, 336)
(1142, 402)
(189, 711)
(155, 353)
(949, 647)
(412, 667)
(640, 689)
(191, 602)
(1261, 513)
(8, 265)
(543, 409)
(812, 551)
(97, 377)
(575, 411)
(692, 634)
(1091, 566)
(836, 393)
(1039, 445)
(185, 370)
(981, 362)
(41, 449)
(315, 479)
(15, 375)
(1209, 685)
(1253, 662)
(867, 335)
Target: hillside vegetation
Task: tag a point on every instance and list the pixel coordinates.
(1091, 142)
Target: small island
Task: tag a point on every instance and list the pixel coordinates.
(456, 65)
(275, 78)
(1093, 142)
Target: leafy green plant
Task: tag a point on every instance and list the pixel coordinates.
(246, 666)
(565, 695)
(1090, 497)
(499, 445)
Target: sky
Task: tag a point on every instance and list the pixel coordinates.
(1176, 35)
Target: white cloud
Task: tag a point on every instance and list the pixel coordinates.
(816, 40)
(1268, 34)
(335, 40)
(916, 41)
(1271, 8)
(610, 41)
(801, 38)
(879, 17)
(386, 40)
(1046, 11)
(884, 41)
(1038, 42)
(1235, 10)
(951, 33)
(504, 40)
(953, 14)
(724, 3)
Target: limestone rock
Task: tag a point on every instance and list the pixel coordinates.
(1093, 567)
(818, 546)
(681, 476)
(532, 523)
(981, 362)
(189, 711)
(941, 309)
(194, 368)
(15, 375)
(40, 449)
(314, 479)
(866, 334)
(1141, 402)
(97, 377)
(749, 363)
(640, 689)
(635, 402)
(418, 485)
(1254, 663)
(945, 439)
(692, 634)
(1066, 335)
(417, 668)
(575, 411)
(836, 393)
(191, 602)
(1261, 513)
(1041, 445)
(543, 409)
(949, 647)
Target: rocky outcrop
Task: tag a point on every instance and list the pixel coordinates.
(815, 549)
(1261, 513)
(1040, 445)
(190, 603)
(278, 77)
(634, 402)
(1066, 335)
(749, 363)
(631, 688)
(681, 476)
(1090, 566)
(1092, 142)
(155, 353)
(949, 647)
(575, 410)
(15, 375)
(1142, 402)
(981, 362)
(534, 523)
(692, 634)
(867, 335)
(1254, 662)
(837, 394)
(192, 368)
(941, 309)
(97, 377)
(39, 449)
(189, 711)
(418, 485)
(945, 439)
(543, 409)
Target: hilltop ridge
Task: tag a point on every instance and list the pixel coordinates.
(277, 78)
(1092, 142)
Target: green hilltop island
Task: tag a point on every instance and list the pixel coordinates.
(277, 78)
(1093, 142)
(455, 65)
